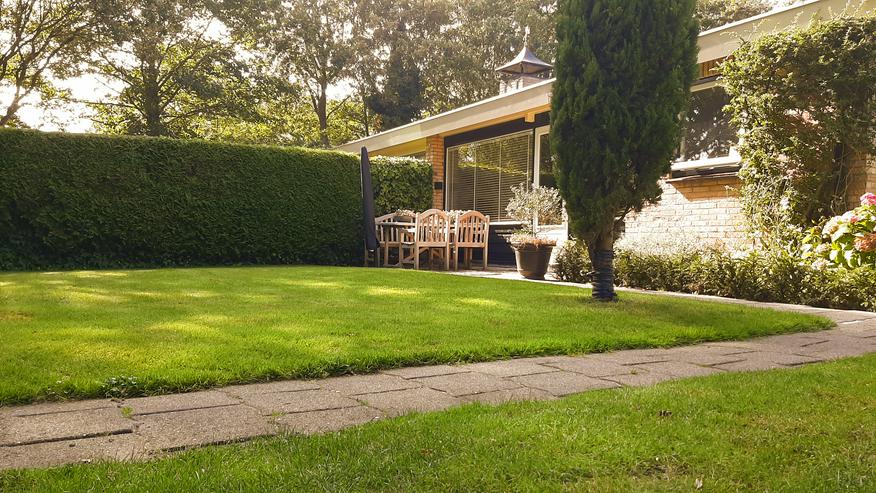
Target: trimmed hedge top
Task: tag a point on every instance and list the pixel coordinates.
(73, 201)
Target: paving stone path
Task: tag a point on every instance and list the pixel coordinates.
(42, 435)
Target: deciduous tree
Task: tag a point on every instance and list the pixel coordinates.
(40, 40)
(167, 68)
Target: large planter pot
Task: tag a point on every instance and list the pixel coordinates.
(533, 260)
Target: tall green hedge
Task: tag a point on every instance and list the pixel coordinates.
(70, 201)
(401, 183)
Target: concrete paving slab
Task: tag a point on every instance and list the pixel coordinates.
(503, 396)
(543, 360)
(115, 448)
(178, 402)
(679, 369)
(425, 371)
(563, 383)
(590, 366)
(840, 316)
(460, 384)
(856, 330)
(271, 387)
(368, 384)
(399, 402)
(19, 430)
(634, 356)
(298, 402)
(750, 365)
(313, 422)
(509, 368)
(843, 347)
(184, 429)
(783, 359)
(640, 378)
(58, 407)
(705, 356)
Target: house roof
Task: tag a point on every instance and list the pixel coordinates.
(525, 63)
(713, 44)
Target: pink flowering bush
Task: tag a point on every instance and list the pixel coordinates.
(846, 241)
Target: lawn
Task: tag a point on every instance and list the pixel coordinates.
(96, 333)
(807, 429)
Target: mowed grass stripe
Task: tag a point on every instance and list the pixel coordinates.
(98, 333)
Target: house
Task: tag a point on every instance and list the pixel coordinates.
(478, 152)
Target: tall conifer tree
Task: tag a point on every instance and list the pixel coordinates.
(624, 70)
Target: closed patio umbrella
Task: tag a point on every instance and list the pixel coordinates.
(368, 204)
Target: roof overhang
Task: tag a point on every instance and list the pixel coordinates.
(714, 44)
(502, 108)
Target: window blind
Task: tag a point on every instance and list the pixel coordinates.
(481, 174)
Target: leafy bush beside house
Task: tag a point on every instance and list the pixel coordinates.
(71, 201)
(805, 99)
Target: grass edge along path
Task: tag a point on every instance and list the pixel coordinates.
(71, 335)
(802, 429)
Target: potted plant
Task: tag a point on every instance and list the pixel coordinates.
(538, 205)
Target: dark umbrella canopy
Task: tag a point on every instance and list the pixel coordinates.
(368, 203)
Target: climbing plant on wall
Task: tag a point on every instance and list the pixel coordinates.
(805, 100)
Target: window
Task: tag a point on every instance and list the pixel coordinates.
(481, 174)
(545, 162)
(708, 133)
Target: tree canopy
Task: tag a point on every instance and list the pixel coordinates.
(194, 68)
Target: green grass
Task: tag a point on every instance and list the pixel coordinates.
(81, 334)
(810, 429)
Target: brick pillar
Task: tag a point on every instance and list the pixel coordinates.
(862, 177)
(435, 155)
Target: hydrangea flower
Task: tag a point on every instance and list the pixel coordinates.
(868, 199)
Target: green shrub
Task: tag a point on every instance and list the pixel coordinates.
(771, 277)
(71, 201)
(573, 262)
(805, 99)
(401, 183)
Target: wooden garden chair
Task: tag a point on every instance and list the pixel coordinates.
(390, 237)
(472, 232)
(431, 234)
